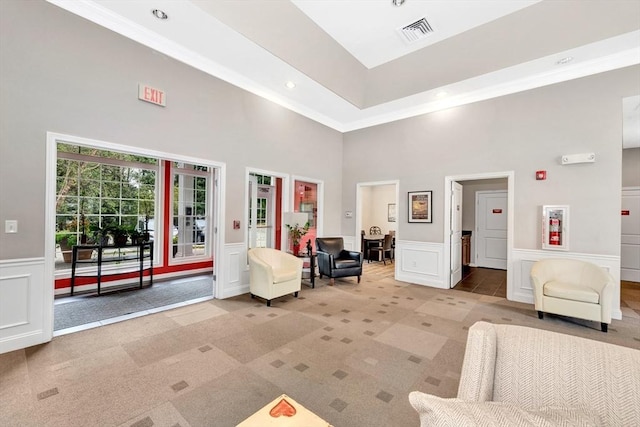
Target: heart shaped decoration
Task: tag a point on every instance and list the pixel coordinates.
(283, 408)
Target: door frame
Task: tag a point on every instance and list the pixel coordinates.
(477, 201)
(359, 187)
(319, 200)
(216, 231)
(284, 203)
(446, 261)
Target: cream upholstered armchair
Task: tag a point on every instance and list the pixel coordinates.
(273, 273)
(515, 375)
(573, 288)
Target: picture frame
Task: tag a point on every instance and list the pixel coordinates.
(420, 206)
(555, 227)
(391, 212)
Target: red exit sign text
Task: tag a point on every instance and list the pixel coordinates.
(152, 95)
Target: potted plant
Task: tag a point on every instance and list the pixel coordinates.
(137, 237)
(119, 233)
(175, 245)
(67, 240)
(296, 233)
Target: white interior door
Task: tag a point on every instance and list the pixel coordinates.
(456, 233)
(491, 229)
(630, 241)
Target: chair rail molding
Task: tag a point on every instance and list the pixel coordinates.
(420, 263)
(523, 260)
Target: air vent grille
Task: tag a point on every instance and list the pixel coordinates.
(416, 31)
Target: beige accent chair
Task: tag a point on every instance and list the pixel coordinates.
(273, 273)
(509, 366)
(573, 288)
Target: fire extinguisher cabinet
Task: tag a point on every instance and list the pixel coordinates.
(555, 227)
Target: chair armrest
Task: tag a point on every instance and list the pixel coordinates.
(260, 272)
(356, 256)
(478, 366)
(325, 261)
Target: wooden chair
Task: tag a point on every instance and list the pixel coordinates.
(385, 249)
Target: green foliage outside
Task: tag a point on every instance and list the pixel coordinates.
(94, 196)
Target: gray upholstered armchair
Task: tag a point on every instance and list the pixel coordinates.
(334, 261)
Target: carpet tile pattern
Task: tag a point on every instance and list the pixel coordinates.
(351, 353)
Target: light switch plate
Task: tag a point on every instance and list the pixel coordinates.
(11, 226)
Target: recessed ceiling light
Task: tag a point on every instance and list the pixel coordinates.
(290, 85)
(398, 3)
(159, 14)
(565, 60)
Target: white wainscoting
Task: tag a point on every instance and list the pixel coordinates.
(234, 275)
(26, 304)
(349, 243)
(523, 259)
(420, 263)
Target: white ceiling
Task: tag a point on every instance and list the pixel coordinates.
(321, 46)
(369, 29)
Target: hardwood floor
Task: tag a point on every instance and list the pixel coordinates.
(485, 281)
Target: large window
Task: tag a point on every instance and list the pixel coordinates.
(100, 193)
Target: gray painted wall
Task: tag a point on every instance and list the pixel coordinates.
(61, 73)
(523, 132)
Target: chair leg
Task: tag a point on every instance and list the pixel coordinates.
(540, 315)
(358, 279)
(268, 303)
(332, 281)
(604, 327)
(295, 294)
(252, 296)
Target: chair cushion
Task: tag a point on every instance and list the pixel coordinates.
(571, 292)
(280, 276)
(346, 263)
(439, 412)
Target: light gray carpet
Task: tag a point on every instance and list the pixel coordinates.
(92, 308)
(351, 353)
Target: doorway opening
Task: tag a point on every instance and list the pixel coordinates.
(459, 221)
(376, 211)
(138, 216)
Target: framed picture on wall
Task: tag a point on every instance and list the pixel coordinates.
(420, 204)
(391, 212)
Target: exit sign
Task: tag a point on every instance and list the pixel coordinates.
(152, 95)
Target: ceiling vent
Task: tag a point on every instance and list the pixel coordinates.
(416, 31)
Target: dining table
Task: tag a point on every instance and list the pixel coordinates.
(371, 240)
